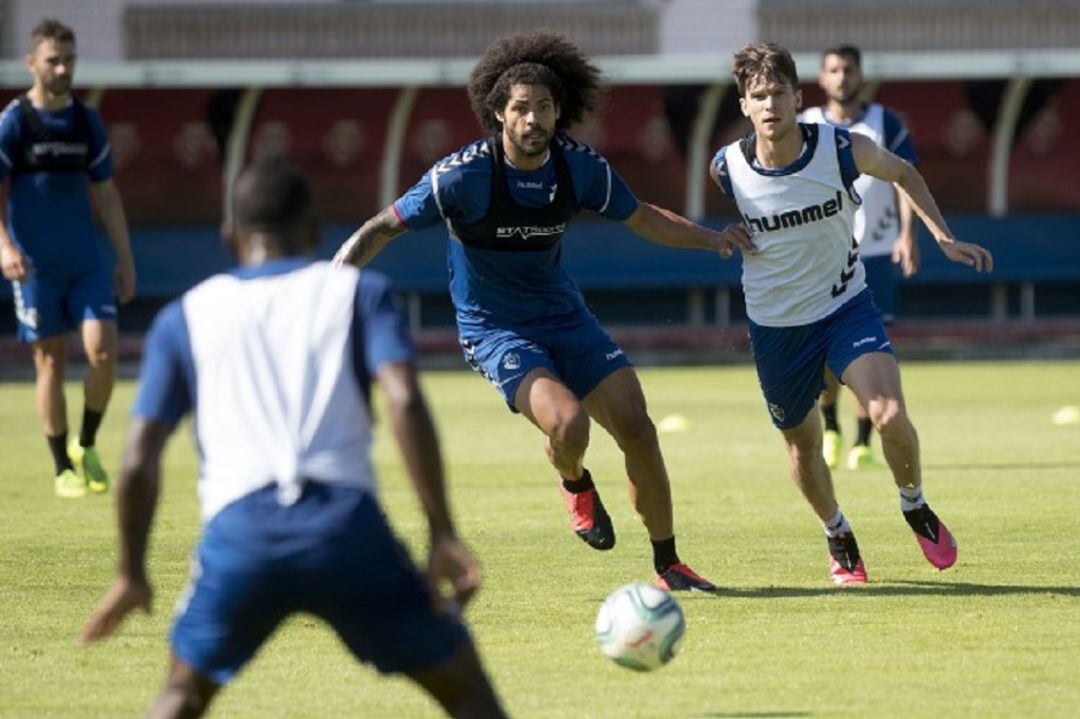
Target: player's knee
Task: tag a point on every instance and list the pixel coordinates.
(804, 453)
(100, 357)
(634, 429)
(887, 415)
(571, 427)
(49, 364)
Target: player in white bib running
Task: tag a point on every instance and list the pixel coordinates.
(806, 294)
(275, 361)
(884, 222)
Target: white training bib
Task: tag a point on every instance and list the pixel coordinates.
(877, 223)
(278, 398)
(801, 218)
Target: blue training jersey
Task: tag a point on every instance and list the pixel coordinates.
(503, 288)
(48, 212)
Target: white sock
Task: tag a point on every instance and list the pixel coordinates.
(837, 525)
(911, 498)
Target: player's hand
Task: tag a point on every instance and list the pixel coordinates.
(124, 281)
(16, 265)
(968, 254)
(344, 255)
(735, 237)
(906, 254)
(450, 563)
(124, 596)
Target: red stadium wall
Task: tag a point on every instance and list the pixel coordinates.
(336, 135)
(167, 143)
(1045, 168)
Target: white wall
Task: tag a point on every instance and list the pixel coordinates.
(686, 26)
(700, 27)
(97, 23)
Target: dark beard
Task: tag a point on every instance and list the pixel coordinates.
(851, 98)
(59, 87)
(519, 144)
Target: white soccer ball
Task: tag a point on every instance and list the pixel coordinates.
(640, 627)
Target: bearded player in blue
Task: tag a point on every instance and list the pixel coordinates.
(523, 323)
(53, 149)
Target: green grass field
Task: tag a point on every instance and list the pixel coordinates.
(997, 635)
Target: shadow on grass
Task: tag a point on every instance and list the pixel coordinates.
(756, 715)
(899, 589)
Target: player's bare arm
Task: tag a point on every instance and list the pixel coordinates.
(136, 502)
(448, 560)
(15, 265)
(111, 206)
(370, 239)
(665, 227)
(905, 250)
(882, 164)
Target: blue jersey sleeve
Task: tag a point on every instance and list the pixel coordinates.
(718, 171)
(897, 139)
(100, 167)
(417, 208)
(9, 138)
(598, 187)
(458, 188)
(380, 329)
(167, 378)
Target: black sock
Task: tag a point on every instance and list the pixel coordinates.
(91, 420)
(863, 436)
(577, 486)
(664, 554)
(58, 447)
(828, 411)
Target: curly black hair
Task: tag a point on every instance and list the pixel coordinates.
(540, 58)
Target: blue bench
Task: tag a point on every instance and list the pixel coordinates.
(607, 257)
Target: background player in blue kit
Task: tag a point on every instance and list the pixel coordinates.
(522, 321)
(806, 293)
(50, 145)
(884, 223)
(275, 361)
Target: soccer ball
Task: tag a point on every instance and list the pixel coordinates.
(640, 627)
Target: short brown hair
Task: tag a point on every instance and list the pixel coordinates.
(763, 61)
(846, 51)
(50, 29)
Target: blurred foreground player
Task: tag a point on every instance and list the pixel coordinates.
(806, 294)
(275, 360)
(522, 321)
(52, 147)
(884, 224)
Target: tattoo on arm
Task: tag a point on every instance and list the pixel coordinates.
(371, 238)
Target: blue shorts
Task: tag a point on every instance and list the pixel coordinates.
(883, 279)
(580, 353)
(791, 361)
(46, 305)
(330, 554)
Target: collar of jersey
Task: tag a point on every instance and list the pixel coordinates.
(67, 106)
(810, 141)
(276, 266)
(515, 168)
(845, 123)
